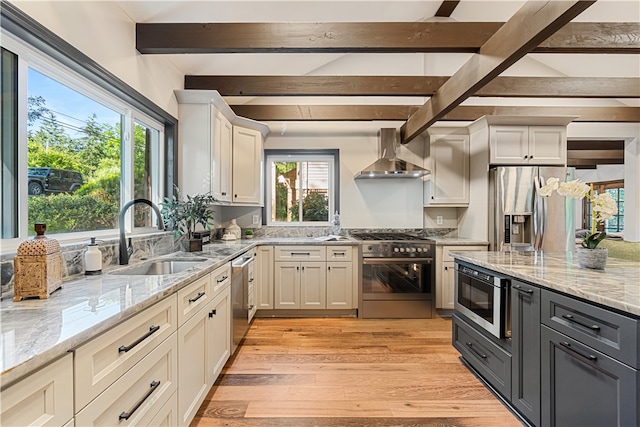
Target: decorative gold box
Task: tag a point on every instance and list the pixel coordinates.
(37, 267)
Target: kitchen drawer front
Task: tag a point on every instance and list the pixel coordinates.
(139, 394)
(301, 253)
(167, 416)
(42, 398)
(492, 362)
(193, 297)
(339, 253)
(100, 362)
(220, 279)
(611, 333)
(446, 251)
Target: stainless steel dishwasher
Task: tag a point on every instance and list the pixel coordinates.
(240, 277)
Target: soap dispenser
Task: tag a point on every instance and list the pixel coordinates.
(93, 259)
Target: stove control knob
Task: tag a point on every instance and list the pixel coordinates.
(396, 250)
(419, 249)
(401, 249)
(370, 248)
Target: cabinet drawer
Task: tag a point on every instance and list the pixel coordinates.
(168, 414)
(492, 362)
(138, 395)
(446, 256)
(220, 279)
(300, 253)
(42, 398)
(339, 253)
(192, 298)
(101, 361)
(611, 333)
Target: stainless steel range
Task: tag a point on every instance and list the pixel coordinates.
(397, 276)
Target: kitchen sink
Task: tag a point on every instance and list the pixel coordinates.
(160, 267)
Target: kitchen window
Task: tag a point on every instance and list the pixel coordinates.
(616, 190)
(301, 187)
(77, 150)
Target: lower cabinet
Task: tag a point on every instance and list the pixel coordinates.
(218, 334)
(263, 290)
(300, 285)
(340, 285)
(41, 399)
(445, 273)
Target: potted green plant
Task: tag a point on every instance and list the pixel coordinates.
(248, 234)
(182, 215)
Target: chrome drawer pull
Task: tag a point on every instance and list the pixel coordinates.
(152, 330)
(570, 318)
(197, 297)
(588, 358)
(521, 289)
(483, 356)
(126, 415)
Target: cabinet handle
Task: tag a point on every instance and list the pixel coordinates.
(222, 279)
(251, 280)
(446, 269)
(152, 330)
(432, 197)
(339, 253)
(483, 356)
(251, 307)
(224, 193)
(197, 297)
(301, 253)
(570, 318)
(329, 268)
(587, 357)
(235, 195)
(526, 157)
(212, 313)
(302, 268)
(126, 415)
(521, 289)
(298, 268)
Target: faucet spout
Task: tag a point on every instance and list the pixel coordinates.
(125, 250)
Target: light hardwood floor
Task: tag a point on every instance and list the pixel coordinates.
(349, 372)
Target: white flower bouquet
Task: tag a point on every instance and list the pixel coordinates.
(603, 206)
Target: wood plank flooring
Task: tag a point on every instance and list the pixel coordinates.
(349, 372)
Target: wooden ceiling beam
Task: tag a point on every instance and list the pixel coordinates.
(528, 27)
(512, 87)
(603, 154)
(388, 37)
(592, 163)
(402, 112)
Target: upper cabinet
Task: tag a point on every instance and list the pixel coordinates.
(448, 161)
(220, 152)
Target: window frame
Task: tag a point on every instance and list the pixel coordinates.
(41, 49)
(332, 156)
(598, 188)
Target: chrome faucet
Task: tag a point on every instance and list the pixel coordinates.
(126, 249)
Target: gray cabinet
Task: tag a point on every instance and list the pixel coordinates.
(525, 350)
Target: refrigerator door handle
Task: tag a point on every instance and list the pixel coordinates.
(538, 214)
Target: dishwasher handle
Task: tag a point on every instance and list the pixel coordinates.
(241, 262)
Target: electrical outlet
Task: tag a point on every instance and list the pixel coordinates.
(256, 219)
(439, 219)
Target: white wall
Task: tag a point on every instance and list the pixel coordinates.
(103, 32)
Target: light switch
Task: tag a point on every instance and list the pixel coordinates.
(256, 219)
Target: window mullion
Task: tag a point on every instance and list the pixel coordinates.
(126, 182)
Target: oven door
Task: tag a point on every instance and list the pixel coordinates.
(396, 278)
(482, 302)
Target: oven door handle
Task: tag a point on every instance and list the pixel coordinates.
(396, 260)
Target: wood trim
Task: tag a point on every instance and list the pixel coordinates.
(506, 87)
(402, 112)
(527, 28)
(603, 154)
(344, 37)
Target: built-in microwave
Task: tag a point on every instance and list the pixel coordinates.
(483, 297)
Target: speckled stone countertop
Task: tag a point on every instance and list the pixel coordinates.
(35, 332)
(457, 241)
(617, 286)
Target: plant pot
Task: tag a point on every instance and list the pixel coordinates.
(192, 245)
(593, 258)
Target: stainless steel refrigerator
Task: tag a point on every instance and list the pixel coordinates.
(521, 220)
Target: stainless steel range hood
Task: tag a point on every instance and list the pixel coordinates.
(389, 166)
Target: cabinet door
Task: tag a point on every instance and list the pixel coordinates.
(509, 145)
(287, 285)
(193, 379)
(247, 166)
(194, 136)
(313, 285)
(340, 285)
(222, 132)
(448, 184)
(446, 286)
(263, 289)
(583, 387)
(218, 334)
(525, 350)
(43, 398)
(548, 145)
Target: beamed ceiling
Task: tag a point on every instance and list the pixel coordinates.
(414, 62)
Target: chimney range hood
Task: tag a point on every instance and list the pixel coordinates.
(388, 165)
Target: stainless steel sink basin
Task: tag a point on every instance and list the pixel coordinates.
(160, 267)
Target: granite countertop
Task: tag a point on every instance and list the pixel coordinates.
(35, 332)
(617, 286)
(457, 241)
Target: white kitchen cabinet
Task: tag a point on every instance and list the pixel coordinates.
(445, 273)
(448, 161)
(287, 285)
(41, 399)
(218, 334)
(195, 137)
(340, 282)
(313, 285)
(527, 145)
(263, 288)
(167, 415)
(247, 166)
(222, 137)
(136, 397)
(193, 297)
(251, 292)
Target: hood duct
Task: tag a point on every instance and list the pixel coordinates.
(388, 165)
